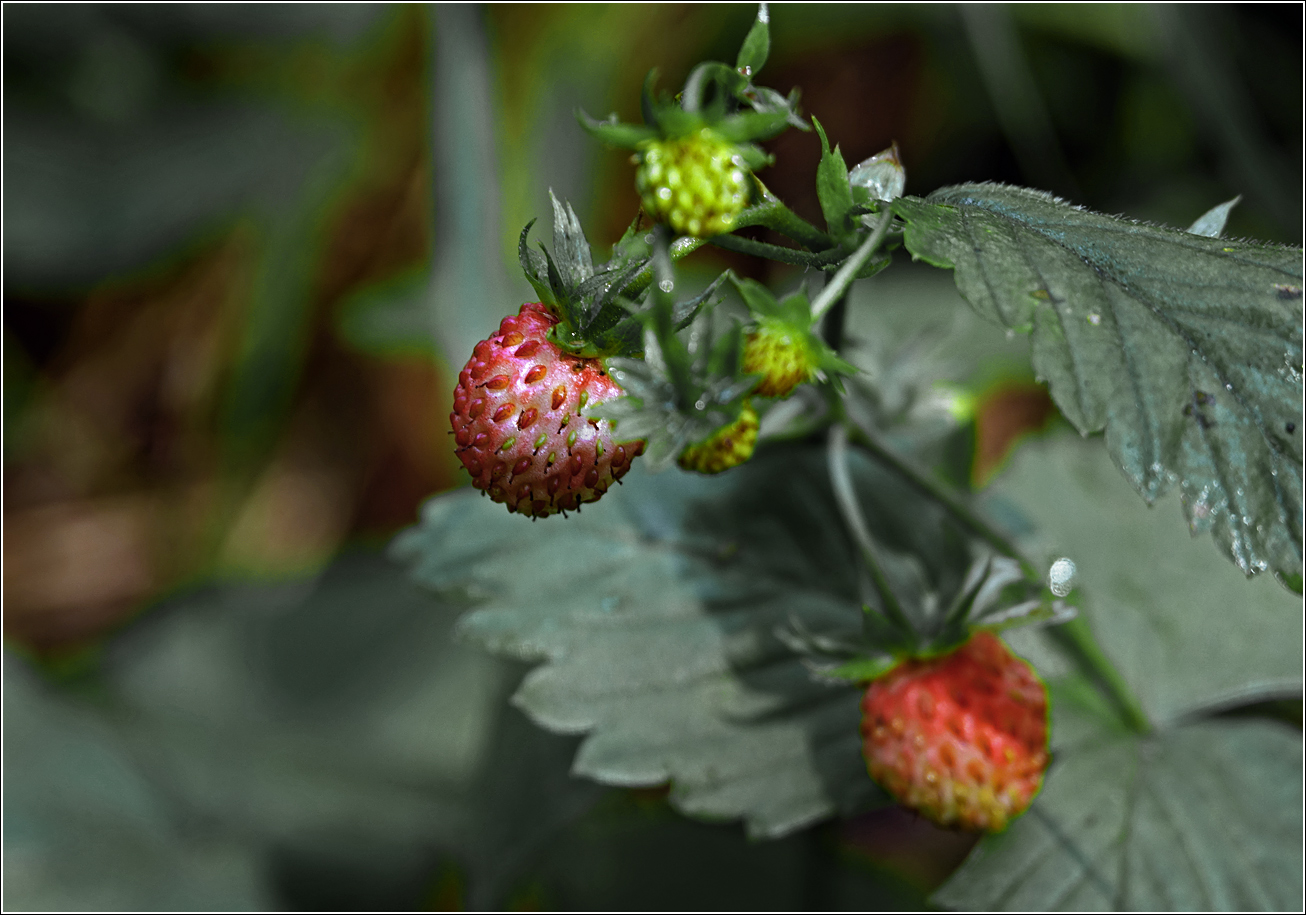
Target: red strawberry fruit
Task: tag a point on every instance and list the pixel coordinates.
(518, 423)
(961, 738)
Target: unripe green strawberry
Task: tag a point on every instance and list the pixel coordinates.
(728, 447)
(781, 356)
(961, 738)
(518, 425)
(696, 184)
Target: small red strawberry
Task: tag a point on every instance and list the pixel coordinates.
(517, 420)
(961, 738)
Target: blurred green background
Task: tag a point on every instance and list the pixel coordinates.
(246, 249)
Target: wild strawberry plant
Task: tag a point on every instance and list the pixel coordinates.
(800, 622)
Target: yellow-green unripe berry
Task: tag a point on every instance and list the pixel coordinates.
(780, 355)
(727, 447)
(696, 184)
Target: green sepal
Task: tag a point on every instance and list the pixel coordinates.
(687, 386)
(862, 670)
(759, 299)
(752, 125)
(833, 189)
(570, 246)
(757, 45)
(534, 265)
(764, 99)
(615, 133)
(594, 317)
(996, 595)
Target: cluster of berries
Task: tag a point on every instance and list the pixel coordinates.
(960, 736)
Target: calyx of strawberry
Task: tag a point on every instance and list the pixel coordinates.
(716, 96)
(782, 345)
(995, 595)
(594, 318)
(690, 383)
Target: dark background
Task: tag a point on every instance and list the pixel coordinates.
(246, 249)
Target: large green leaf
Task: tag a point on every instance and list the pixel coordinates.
(1157, 604)
(1205, 816)
(656, 611)
(86, 829)
(1187, 350)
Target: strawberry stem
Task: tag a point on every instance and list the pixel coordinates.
(1077, 635)
(773, 214)
(939, 492)
(846, 499)
(1074, 633)
(848, 272)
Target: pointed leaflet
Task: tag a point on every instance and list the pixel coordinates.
(1187, 350)
(757, 44)
(1211, 223)
(833, 189)
(569, 245)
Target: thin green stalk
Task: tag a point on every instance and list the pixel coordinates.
(848, 272)
(1075, 632)
(743, 245)
(851, 509)
(1079, 637)
(773, 214)
(937, 491)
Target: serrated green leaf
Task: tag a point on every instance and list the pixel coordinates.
(658, 625)
(757, 44)
(1185, 633)
(1186, 350)
(833, 189)
(1202, 817)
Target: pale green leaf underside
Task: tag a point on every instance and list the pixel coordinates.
(1202, 817)
(1186, 350)
(1184, 633)
(656, 609)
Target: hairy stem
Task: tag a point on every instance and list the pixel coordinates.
(773, 214)
(848, 272)
(1079, 638)
(743, 245)
(941, 493)
(846, 498)
(1075, 633)
(678, 249)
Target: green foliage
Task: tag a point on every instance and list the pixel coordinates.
(688, 652)
(833, 189)
(757, 44)
(1204, 816)
(594, 316)
(1187, 350)
(1186, 635)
